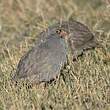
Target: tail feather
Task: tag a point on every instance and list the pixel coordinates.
(92, 44)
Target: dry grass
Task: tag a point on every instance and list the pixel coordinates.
(84, 87)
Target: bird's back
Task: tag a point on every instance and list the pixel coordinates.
(44, 61)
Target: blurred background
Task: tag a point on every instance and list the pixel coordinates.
(20, 23)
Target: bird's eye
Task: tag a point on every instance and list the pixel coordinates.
(61, 33)
(58, 31)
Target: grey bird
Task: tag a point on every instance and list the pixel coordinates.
(44, 61)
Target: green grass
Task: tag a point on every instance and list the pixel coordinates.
(86, 86)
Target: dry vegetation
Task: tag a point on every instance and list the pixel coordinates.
(84, 87)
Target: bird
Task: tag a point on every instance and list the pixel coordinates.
(44, 61)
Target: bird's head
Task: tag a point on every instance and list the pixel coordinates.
(63, 34)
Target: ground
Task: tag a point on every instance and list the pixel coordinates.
(85, 86)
